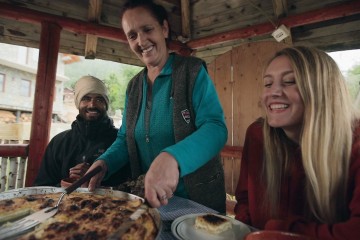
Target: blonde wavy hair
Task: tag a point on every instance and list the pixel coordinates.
(325, 138)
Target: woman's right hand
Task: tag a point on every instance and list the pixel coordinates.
(95, 181)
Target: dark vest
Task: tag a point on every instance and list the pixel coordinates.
(205, 185)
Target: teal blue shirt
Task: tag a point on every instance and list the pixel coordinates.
(192, 152)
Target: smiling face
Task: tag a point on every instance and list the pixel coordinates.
(281, 98)
(146, 36)
(92, 107)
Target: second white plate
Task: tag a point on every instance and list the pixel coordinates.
(183, 229)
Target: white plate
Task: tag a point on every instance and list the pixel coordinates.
(183, 229)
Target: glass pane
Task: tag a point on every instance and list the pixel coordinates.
(25, 88)
(2, 82)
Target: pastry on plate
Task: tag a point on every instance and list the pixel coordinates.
(212, 223)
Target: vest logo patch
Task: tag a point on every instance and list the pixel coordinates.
(186, 115)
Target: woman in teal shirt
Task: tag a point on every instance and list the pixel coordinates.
(173, 125)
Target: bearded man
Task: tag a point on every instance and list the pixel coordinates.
(70, 153)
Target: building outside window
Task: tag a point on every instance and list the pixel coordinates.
(2, 82)
(25, 88)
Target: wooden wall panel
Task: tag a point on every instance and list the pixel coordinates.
(221, 73)
(223, 83)
(211, 70)
(248, 63)
(237, 75)
(232, 172)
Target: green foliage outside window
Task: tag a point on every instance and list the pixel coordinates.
(115, 75)
(353, 82)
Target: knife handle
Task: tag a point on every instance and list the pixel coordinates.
(83, 179)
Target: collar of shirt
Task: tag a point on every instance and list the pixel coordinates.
(167, 69)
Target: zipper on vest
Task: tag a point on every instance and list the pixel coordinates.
(147, 122)
(147, 113)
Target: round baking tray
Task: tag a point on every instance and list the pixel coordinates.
(99, 191)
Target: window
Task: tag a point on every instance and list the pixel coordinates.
(25, 88)
(2, 82)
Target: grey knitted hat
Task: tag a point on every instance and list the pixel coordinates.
(89, 84)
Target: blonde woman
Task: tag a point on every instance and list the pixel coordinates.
(306, 176)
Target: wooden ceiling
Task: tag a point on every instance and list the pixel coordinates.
(204, 28)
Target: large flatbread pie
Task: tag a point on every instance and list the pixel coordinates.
(83, 216)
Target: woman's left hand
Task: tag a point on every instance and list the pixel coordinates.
(161, 179)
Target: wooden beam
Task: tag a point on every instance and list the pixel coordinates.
(72, 25)
(180, 48)
(94, 12)
(14, 150)
(319, 15)
(185, 21)
(22, 14)
(280, 10)
(231, 151)
(81, 27)
(44, 97)
(90, 46)
(94, 15)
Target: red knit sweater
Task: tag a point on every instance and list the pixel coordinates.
(250, 193)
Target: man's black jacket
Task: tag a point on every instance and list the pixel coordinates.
(84, 141)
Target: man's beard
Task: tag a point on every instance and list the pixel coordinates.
(92, 114)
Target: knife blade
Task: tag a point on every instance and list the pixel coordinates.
(25, 224)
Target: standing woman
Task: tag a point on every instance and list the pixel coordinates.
(300, 170)
(173, 126)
